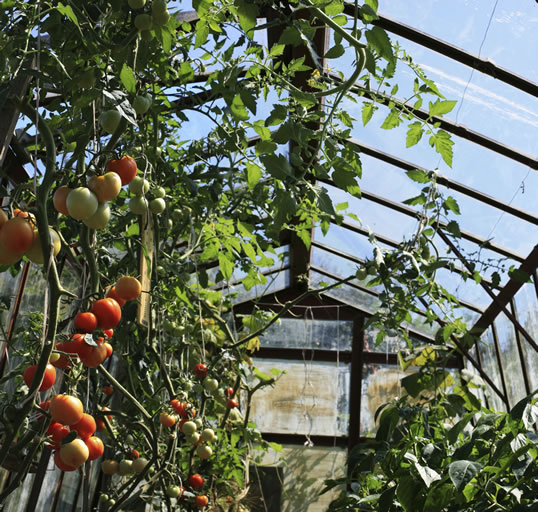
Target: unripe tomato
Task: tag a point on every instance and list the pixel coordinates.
(139, 186)
(140, 464)
(101, 217)
(108, 313)
(128, 288)
(196, 481)
(81, 203)
(49, 377)
(173, 491)
(66, 409)
(211, 384)
(141, 104)
(200, 370)
(109, 467)
(167, 420)
(125, 168)
(109, 120)
(143, 22)
(193, 438)
(157, 205)
(159, 193)
(138, 205)
(60, 464)
(126, 467)
(35, 252)
(85, 427)
(208, 435)
(201, 501)
(161, 18)
(106, 187)
(75, 453)
(85, 322)
(59, 199)
(95, 446)
(63, 361)
(111, 294)
(136, 4)
(204, 451)
(16, 235)
(189, 428)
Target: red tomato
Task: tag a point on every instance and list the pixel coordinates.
(229, 392)
(95, 356)
(135, 454)
(108, 390)
(49, 378)
(99, 425)
(95, 447)
(57, 431)
(66, 409)
(108, 313)
(85, 322)
(110, 332)
(232, 403)
(167, 420)
(109, 349)
(201, 501)
(128, 288)
(85, 427)
(17, 235)
(125, 168)
(196, 481)
(111, 294)
(59, 199)
(61, 464)
(200, 370)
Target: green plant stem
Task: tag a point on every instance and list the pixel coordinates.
(90, 258)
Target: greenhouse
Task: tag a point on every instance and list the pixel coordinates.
(268, 256)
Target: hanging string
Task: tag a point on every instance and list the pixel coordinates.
(38, 91)
(308, 317)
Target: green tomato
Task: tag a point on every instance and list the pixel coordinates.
(140, 464)
(204, 451)
(87, 79)
(139, 186)
(199, 422)
(146, 35)
(141, 104)
(103, 497)
(211, 384)
(136, 4)
(126, 467)
(361, 274)
(81, 203)
(143, 22)
(189, 428)
(161, 18)
(372, 270)
(109, 120)
(208, 435)
(157, 205)
(193, 438)
(138, 205)
(159, 192)
(173, 491)
(100, 218)
(158, 6)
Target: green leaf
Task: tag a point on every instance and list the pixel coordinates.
(420, 199)
(379, 40)
(407, 493)
(186, 73)
(238, 109)
(418, 176)
(346, 180)
(373, 4)
(392, 120)
(226, 266)
(202, 33)
(254, 173)
(454, 228)
(414, 134)
(336, 51)
(128, 78)
(277, 116)
(334, 8)
(277, 49)
(247, 12)
(67, 11)
(443, 145)
(368, 110)
(451, 204)
(462, 472)
(441, 107)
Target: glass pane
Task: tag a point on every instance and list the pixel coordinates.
(510, 359)
(305, 469)
(527, 313)
(491, 367)
(311, 398)
(303, 333)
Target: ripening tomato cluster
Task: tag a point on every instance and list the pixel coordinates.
(69, 419)
(20, 237)
(90, 204)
